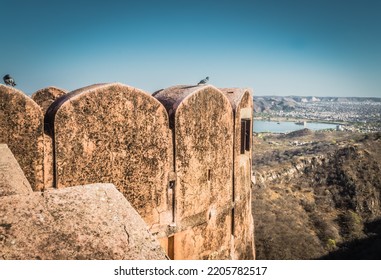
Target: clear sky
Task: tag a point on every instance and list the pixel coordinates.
(319, 48)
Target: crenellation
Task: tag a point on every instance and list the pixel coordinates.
(176, 156)
(203, 164)
(46, 96)
(21, 128)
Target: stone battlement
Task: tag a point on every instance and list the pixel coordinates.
(181, 157)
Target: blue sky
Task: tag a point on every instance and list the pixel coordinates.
(320, 48)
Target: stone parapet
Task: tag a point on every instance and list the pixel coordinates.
(21, 128)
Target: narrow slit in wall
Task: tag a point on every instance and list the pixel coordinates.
(171, 247)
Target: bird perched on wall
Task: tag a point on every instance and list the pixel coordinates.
(8, 80)
(203, 81)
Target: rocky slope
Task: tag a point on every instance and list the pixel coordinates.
(317, 195)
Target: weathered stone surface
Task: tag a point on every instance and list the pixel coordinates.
(202, 120)
(48, 162)
(83, 222)
(242, 104)
(118, 134)
(46, 96)
(21, 128)
(243, 218)
(12, 178)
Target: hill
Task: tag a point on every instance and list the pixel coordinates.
(317, 195)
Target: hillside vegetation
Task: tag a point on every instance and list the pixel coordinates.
(317, 195)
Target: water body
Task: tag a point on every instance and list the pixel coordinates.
(284, 127)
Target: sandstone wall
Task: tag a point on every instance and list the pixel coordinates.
(21, 128)
(243, 225)
(183, 171)
(202, 120)
(118, 134)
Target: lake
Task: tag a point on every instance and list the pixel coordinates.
(284, 127)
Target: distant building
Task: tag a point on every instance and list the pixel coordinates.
(339, 127)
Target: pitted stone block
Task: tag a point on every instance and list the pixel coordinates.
(21, 128)
(118, 134)
(202, 119)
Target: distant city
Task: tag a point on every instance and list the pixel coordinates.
(350, 113)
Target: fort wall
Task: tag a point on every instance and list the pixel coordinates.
(242, 220)
(116, 134)
(203, 137)
(181, 157)
(21, 128)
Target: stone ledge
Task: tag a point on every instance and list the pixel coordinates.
(83, 222)
(12, 178)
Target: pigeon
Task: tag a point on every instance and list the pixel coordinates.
(204, 81)
(8, 80)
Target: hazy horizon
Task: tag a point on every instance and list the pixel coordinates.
(300, 48)
(320, 96)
